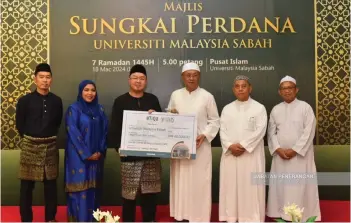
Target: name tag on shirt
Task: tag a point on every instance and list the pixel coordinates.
(251, 125)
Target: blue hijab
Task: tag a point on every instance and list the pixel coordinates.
(92, 108)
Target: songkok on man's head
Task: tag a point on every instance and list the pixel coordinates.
(287, 78)
(42, 67)
(242, 77)
(137, 68)
(190, 66)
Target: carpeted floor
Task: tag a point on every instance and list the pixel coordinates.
(332, 211)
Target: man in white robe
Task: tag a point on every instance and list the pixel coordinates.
(243, 126)
(291, 130)
(190, 180)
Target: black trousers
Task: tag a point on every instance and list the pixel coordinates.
(26, 197)
(148, 203)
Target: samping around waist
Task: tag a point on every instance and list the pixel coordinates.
(36, 140)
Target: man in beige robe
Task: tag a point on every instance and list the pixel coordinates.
(190, 180)
(243, 126)
(291, 131)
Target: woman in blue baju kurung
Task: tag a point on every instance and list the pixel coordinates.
(86, 125)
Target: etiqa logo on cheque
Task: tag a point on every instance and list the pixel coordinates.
(152, 118)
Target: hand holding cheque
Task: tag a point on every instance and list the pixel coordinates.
(157, 134)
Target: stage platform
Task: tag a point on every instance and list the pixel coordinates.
(332, 211)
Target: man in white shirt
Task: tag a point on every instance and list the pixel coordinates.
(291, 131)
(243, 126)
(190, 180)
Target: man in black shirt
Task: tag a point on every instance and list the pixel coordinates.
(139, 174)
(38, 118)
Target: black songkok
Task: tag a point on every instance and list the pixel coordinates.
(42, 67)
(137, 68)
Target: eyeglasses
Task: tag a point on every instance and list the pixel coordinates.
(138, 78)
(287, 88)
(188, 76)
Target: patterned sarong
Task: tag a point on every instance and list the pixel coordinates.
(38, 156)
(140, 176)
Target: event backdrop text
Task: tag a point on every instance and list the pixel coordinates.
(264, 40)
(101, 40)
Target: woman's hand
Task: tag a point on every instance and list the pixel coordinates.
(95, 156)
